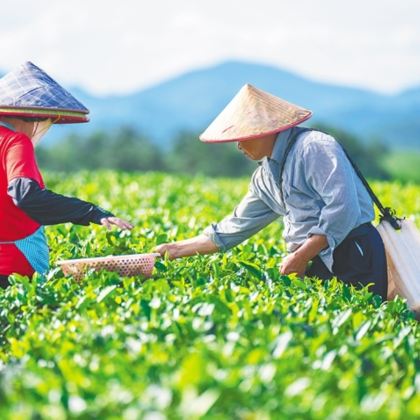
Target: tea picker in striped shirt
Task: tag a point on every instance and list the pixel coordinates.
(305, 177)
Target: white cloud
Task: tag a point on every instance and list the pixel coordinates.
(109, 48)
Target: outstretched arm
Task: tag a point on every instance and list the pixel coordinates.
(49, 208)
(25, 187)
(200, 244)
(248, 218)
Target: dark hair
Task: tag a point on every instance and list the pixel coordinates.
(33, 119)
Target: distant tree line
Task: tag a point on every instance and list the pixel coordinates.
(126, 149)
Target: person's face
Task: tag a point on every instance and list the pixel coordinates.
(257, 149)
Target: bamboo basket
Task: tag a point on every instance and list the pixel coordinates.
(124, 265)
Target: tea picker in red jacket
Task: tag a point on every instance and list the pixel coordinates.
(30, 101)
(304, 177)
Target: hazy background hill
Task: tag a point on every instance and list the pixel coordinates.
(190, 101)
(129, 132)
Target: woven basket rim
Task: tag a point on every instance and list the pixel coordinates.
(106, 258)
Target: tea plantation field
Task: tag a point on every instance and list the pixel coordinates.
(216, 337)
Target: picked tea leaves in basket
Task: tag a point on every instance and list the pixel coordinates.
(124, 265)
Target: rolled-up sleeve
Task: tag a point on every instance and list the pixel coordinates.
(330, 174)
(249, 217)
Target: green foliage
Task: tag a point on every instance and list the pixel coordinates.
(123, 149)
(217, 337)
(189, 155)
(126, 149)
(404, 166)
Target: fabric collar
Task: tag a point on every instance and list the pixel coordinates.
(271, 165)
(280, 145)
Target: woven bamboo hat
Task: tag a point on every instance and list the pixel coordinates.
(253, 113)
(29, 92)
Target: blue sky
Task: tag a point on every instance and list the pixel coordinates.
(116, 47)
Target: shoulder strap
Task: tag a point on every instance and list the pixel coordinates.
(387, 213)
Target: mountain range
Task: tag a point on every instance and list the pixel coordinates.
(189, 102)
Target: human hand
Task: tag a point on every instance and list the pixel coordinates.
(200, 244)
(294, 263)
(109, 221)
(169, 250)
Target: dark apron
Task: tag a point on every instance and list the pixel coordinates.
(4, 282)
(359, 260)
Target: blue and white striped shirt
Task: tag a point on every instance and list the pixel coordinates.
(322, 196)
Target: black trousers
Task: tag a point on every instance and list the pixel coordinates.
(4, 282)
(359, 260)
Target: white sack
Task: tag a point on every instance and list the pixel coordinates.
(403, 259)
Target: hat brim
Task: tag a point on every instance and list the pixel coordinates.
(257, 135)
(59, 116)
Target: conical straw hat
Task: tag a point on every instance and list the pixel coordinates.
(30, 92)
(253, 113)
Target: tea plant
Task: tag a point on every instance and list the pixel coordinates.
(218, 337)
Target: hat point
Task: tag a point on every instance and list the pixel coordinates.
(248, 88)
